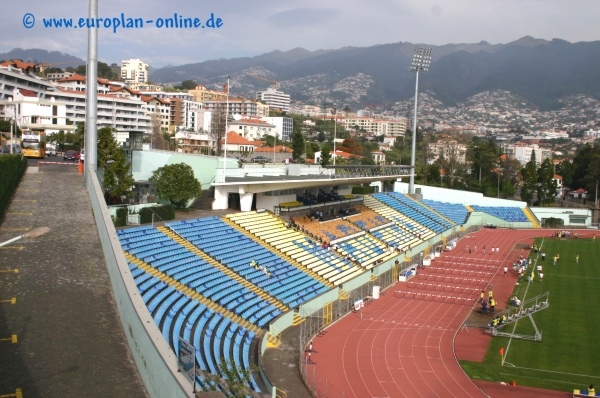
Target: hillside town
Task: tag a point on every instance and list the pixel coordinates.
(193, 118)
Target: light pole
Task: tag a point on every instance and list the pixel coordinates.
(226, 128)
(31, 234)
(420, 63)
(274, 147)
(333, 112)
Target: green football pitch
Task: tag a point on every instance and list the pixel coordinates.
(568, 356)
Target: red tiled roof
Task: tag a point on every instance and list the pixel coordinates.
(557, 177)
(236, 139)
(27, 93)
(72, 78)
(19, 64)
(580, 190)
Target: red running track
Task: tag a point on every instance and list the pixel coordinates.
(403, 347)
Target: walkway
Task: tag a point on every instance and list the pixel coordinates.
(70, 341)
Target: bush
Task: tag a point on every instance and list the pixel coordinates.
(121, 219)
(13, 167)
(165, 213)
(363, 190)
(553, 222)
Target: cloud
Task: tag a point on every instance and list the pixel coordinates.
(303, 18)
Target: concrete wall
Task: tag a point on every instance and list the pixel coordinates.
(461, 197)
(205, 167)
(481, 218)
(564, 214)
(155, 360)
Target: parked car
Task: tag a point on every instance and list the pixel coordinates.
(71, 155)
(50, 150)
(6, 149)
(260, 159)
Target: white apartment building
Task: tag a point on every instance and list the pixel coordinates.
(56, 76)
(184, 115)
(307, 110)
(12, 78)
(124, 114)
(449, 149)
(168, 95)
(284, 126)
(32, 113)
(522, 152)
(262, 110)
(143, 87)
(237, 106)
(395, 128)
(252, 129)
(159, 108)
(134, 70)
(275, 99)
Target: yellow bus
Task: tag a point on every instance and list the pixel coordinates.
(33, 144)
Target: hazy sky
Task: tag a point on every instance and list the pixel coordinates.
(252, 27)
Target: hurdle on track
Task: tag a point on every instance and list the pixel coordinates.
(441, 298)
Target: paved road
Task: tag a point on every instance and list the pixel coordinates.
(69, 337)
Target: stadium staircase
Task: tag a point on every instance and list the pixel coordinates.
(343, 295)
(297, 319)
(250, 286)
(191, 293)
(279, 253)
(470, 208)
(526, 309)
(531, 217)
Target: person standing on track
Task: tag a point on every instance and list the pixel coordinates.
(492, 304)
(484, 307)
(483, 249)
(505, 270)
(467, 248)
(490, 294)
(482, 296)
(475, 249)
(492, 250)
(497, 250)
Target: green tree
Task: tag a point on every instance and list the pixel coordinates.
(325, 155)
(565, 170)
(546, 187)
(530, 180)
(298, 144)
(321, 137)
(235, 380)
(117, 179)
(104, 71)
(188, 84)
(177, 184)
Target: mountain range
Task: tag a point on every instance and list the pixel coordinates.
(539, 71)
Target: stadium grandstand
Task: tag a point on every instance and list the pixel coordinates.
(296, 244)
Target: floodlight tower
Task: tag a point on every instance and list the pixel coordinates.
(420, 63)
